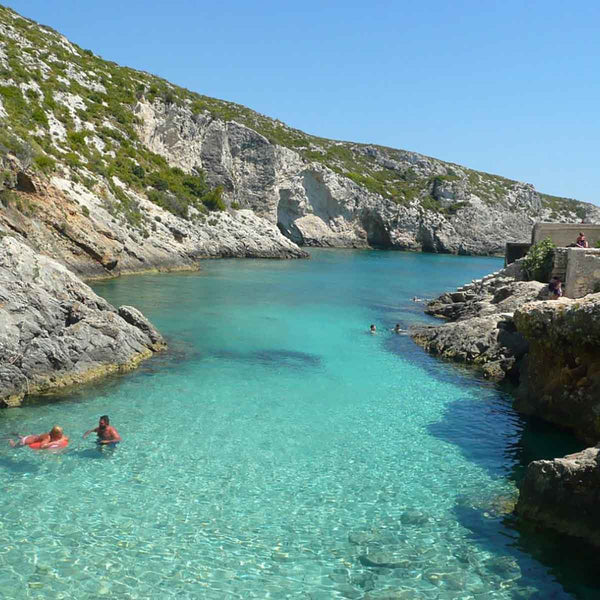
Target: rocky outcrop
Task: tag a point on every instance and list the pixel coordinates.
(560, 380)
(56, 331)
(481, 330)
(564, 494)
(79, 228)
(314, 205)
(113, 170)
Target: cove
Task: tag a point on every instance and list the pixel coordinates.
(278, 450)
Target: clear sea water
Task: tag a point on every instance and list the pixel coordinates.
(278, 450)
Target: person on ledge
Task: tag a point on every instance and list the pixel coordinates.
(581, 242)
(106, 433)
(555, 288)
(54, 438)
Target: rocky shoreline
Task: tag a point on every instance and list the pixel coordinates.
(75, 226)
(550, 350)
(57, 331)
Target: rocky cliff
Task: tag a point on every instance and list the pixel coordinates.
(111, 170)
(56, 331)
(564, 494)
(560, 378)
(480, 330)
(550, 348)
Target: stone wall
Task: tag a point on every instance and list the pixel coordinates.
(564, 234)
(559, 264)
(583, 272)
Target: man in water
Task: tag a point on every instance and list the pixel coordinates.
(54, 438)
(397, 328)
(373, 329)
(106, 433)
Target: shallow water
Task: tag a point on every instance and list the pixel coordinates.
(278, 450)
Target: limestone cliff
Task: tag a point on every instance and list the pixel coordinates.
(560, 379)
(56, 331)
(564, 494)
(112, 170)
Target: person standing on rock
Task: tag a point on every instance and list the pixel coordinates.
(106, 433)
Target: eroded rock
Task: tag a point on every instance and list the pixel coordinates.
(560, 379)
(56, 331)
(564, 494)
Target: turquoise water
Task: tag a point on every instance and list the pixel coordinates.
(278, 450)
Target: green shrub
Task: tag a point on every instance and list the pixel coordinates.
(138, 171)
(537, 264)
(8, 198)
(214, 199)
(77, 139)
(44, 163)
(72, 160)
(157, 182)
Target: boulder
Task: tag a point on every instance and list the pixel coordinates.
(56, 331)
(564, 494)
(560, 380)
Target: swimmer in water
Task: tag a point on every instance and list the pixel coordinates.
(397, 329)
(373, 329)
(106, 433)
(45, 440)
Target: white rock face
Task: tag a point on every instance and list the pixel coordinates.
(56, 331)
(314, 206)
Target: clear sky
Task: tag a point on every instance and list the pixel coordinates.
(508, 87)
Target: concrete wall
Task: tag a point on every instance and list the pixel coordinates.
(564, 234)
(583, 272)
(559, 265)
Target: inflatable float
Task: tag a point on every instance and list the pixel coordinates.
(52, 446)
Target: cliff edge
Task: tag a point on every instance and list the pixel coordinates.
(560, 377)
(564, 494)
(56, 331)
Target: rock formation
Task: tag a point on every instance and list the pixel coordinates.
(560, 378)
(112, 170)
(56, 331)
(564, 494)
(552, 349)
(481, 330)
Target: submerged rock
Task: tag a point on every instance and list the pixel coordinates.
(389, 560)
(55, 331)
(564, 494)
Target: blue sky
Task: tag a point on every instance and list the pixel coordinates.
(511, 88)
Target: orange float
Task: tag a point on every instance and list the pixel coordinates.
(60, 444)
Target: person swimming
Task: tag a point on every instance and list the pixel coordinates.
(55, 438)
(106, 433)
(372, 329)
(397, 328)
